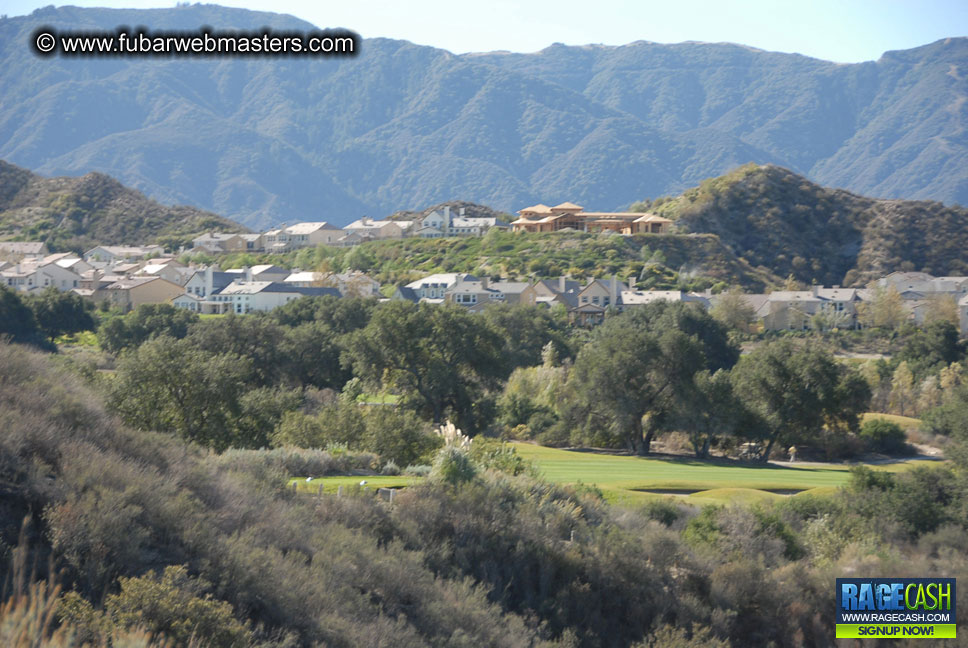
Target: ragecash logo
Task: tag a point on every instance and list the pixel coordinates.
(901, 608)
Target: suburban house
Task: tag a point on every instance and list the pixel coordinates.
(795, 309)
(16, 250)
(169, 269)
(37, 274)
(472, 293)
(437, 225)
(132, 292)
(247, 296)
(263, 272)
(302, 235)
(349, 284)
(552, 291)
(218, 243)
(116, 253)
(367, 228)
(513, 291)
(207, 282)
(431, 288)
(919, 285)
(70, 262)
(542, 218)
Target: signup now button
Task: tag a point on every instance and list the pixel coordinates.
(895, 631)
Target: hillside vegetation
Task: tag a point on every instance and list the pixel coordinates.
(693, 261)
(774, 218)
(403, 125)
(78, 213)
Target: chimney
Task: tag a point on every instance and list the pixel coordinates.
(446, 218)
(561, 284)
(630, 282)
(248, 273)
(815, 290)
(462, 212)
(483, 283)
(613, 291)
(209, 283)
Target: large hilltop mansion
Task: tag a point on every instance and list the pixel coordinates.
(542, 218)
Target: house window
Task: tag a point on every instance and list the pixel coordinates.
(584, 300)
(594, 300)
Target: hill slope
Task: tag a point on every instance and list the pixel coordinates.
(775, 218)
(77, 213)
(270, 140)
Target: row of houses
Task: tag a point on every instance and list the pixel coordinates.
(310, 234)
(126, 277)
(436, 224)
(586, 304)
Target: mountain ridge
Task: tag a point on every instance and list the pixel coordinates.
(404, 125)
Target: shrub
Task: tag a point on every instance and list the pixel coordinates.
(452, 466)
(885, 436)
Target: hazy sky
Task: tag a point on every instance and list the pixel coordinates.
(837, 30)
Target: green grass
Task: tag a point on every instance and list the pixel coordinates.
(906, 422)
(628, 478)
(631, 480)
(332, 484)
(84, 338)
(383, 398)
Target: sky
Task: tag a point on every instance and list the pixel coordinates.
(845, 31)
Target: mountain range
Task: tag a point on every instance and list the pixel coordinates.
(401, 126)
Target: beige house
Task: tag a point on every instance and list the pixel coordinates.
(131, 292)
(219, 242)
(383, 229)
(542, 218)
(796, 309)
(118, 253)
(14, 251)
(301, 235)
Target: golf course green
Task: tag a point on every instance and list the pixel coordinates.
(628, 479)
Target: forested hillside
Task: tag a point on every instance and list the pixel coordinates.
(94, 209)
(774, 218)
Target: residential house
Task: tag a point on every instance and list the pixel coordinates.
(369, 228)
(203, 283)
(349, 284)
(14, 251)
(473, 293)
(569, 216)
(302, 235)
(219, 243)
(432, 288)
(116, 253)
(131, 292)
(513, 291)
(438, 224)
(169, 269)
(276, 240)
(630, 297)
(548, 292)
(261, 273)
(36, 274)
(795, 309)
(247, 296)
